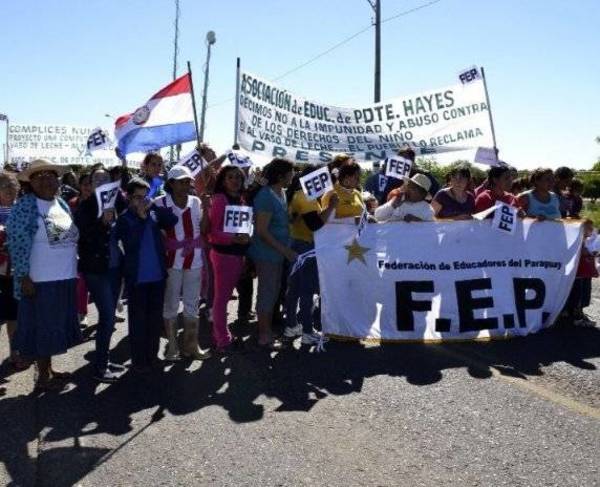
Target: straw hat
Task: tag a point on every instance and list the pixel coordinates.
(420, 180)
(37, 166)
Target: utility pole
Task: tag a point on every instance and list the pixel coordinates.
(376, 6)
(211, 38)
(175, 54)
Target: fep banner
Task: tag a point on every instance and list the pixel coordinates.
(316, 183)
(106, 196)
(444, 280)
(59, 144)
(276, 123)
(193, 161)
(397, 167)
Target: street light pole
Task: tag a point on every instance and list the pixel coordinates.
(376, 6)
(210, 40)
(4, 118)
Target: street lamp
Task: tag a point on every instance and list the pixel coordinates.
(211, 38)
(4, 118)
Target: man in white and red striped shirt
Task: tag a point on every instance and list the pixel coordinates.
(184, 263)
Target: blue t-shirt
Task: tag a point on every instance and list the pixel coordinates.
(267, 201)
(149, 265)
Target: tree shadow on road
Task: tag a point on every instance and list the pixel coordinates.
(297, 378)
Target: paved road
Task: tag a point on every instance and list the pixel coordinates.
(520, 412)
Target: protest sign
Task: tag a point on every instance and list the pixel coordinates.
(460, 282)
(273, 122)
(106, 196)
(239, 160)
(238, 219)
(59, 144)
(469, 75)
(194, 162)
(97, 140)
(362, 223)
(397, 167)
(382, 182)
(487, 156)
(316, 183)
(505, 219)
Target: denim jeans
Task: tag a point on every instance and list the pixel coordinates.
(145, 315)
(302, 286)
(104, 289)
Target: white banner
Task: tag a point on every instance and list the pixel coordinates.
(236, 158)
(276, 123)
(444, 280)
(193, 161)
(98, 140)
(238, 219)
(106, 196)
(59, 144)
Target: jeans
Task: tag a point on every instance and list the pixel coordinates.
(302, 286)
(145, 310)
(104, 289)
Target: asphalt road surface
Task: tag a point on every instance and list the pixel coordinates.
(523, 412)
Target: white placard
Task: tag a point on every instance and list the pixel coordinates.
(487, 156)
(398, 167)
(382, 182)
(238, 219)
(106, 196)
(505, 219)
(194, 162)
(469, 75)
(316, 183)
(98, 140)
(239, 160)
(362, 223)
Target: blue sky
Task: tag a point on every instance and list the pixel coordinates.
(72, 61)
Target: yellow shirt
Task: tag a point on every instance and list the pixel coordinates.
(350, 204)
(301, 206)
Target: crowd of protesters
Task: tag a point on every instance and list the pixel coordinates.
(162, 247)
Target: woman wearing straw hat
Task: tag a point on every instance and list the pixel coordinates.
(42, 241)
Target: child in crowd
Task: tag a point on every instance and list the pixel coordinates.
(581, 293)
(410, 204)
(371, 203)
(139, 230)
(573, 199)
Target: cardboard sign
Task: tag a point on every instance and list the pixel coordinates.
(317, 183)
(97, 140)
(194, 162)
(382, 182)
(398, 167)
(505, 219)
(239, 160)
(238, 219)
(487, 156)
(469, 75)
(106, 196)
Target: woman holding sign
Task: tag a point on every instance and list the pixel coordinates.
(306, 217)
(42, 241)
(100, 262)
(226, 253)
(270, 244)
(350, 198)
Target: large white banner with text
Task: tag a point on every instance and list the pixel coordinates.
(276, 123)
(444, 280)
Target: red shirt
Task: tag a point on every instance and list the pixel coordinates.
(487, 199)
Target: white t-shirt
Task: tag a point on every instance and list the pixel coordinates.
(420, 209)
(54, 251)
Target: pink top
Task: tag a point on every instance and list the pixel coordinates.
(216, 235)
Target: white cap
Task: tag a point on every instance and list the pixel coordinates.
(420, 180)
(179, 172)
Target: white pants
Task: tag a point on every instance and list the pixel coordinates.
(186, 283)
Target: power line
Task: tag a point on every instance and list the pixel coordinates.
(339, 44)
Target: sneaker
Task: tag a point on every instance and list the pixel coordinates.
(313, 338)
(292, 332)
(106, 377)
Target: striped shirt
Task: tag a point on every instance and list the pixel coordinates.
(4, 212)
(183, 240)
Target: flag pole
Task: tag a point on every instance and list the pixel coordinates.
(189, 66)
(237, 103)
(487, 100)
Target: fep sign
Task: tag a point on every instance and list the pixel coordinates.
(398, 167)
(505, 219)
(469, 75)
(237, 219)
(194, 162)
(106, 196)
(316, 183)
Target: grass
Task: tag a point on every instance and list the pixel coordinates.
(591, 210)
